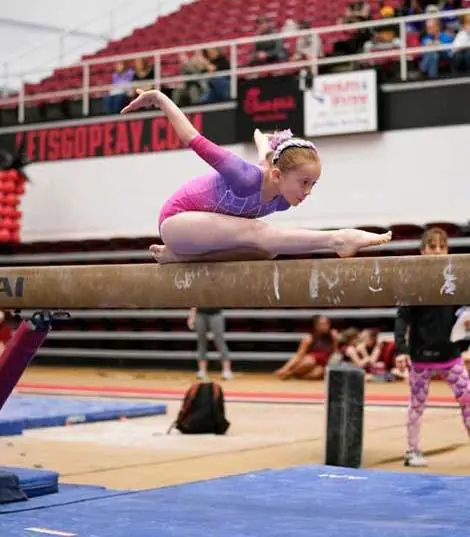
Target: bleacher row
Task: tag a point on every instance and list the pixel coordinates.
(162, 335)
(202, 21)
(262, 336)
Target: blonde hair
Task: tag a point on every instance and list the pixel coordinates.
(432, 234)
(289, 152)
(349, 335)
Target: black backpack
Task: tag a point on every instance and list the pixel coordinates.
(203, 410)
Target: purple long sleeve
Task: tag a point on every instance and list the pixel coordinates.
(243, 177)
(232, 187)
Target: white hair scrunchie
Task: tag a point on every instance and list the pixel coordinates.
(281, 141)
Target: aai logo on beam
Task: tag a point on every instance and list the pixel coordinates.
(12, 287)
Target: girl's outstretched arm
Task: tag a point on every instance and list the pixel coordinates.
(244, 178)
(152, 98)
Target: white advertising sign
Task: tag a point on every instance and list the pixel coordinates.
(341, 103)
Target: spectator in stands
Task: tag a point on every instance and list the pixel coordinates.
(121, 88)
(409, 8)
(271, 51)
(191, 91)
(429, 64)
(356, 12)
(460, 55)
(205, 320)
(307, 47)
(218, 88)
(314, 353)
(432, 8)
(452, 22)
(142, 74)
(384, 38)
(353, 44)
(289, 26)
(387, 10)
(426, 4)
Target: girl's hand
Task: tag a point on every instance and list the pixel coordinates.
(191, 320)
(144, 99)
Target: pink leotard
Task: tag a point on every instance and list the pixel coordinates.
(233, 187)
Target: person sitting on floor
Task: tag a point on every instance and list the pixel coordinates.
(362, 350)
(371, 349)
(314, 353)
(349, 341)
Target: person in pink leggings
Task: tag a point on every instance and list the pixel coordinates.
(216, 216)
(424, 346)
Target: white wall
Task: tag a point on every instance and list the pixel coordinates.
(416, 175)
(402, 176)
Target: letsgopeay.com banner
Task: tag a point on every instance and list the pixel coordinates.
(88, 140)
(342, 103)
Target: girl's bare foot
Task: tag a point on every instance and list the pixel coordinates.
(347, 242)
(163, 255)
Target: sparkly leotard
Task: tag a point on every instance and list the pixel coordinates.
(232, 187)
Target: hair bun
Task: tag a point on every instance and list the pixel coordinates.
(279, 137)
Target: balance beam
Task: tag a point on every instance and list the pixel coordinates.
(367, 282)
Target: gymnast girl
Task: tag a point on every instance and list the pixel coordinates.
(216, 216)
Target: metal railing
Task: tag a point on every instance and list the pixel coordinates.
(179, 336)
(275, 313)
(402, 53)
(138, 354)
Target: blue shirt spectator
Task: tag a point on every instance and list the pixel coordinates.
(429, 64)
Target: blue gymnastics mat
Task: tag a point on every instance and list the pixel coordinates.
(309, 501)
(30, 411)
(34, 482)
(66, 495)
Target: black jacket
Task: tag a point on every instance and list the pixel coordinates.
(429, 333)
